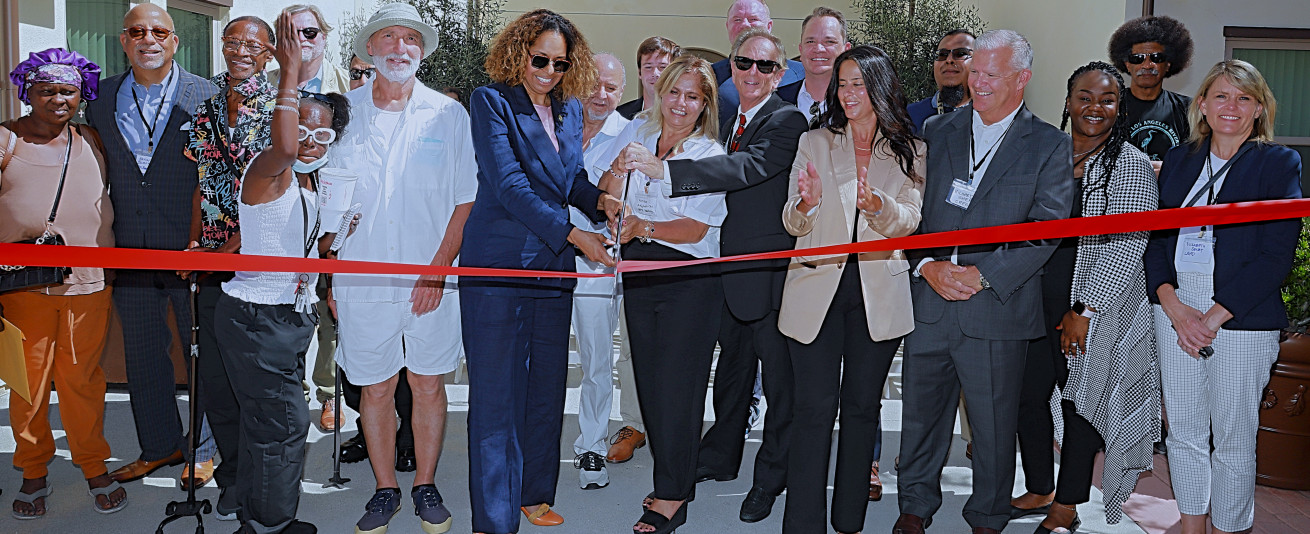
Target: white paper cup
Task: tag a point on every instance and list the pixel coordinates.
(336, 187)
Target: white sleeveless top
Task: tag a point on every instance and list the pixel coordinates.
(276, 228)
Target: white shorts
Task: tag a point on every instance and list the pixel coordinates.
(377, 339)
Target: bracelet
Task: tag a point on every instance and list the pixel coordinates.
(650, 232)
(288, 99)
(284, 107)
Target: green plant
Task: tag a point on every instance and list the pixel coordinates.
(909, 30)
(464, 31)
(1296, 288)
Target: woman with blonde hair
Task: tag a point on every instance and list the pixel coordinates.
(527, 135)
(1218, 310)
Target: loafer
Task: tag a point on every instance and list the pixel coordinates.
(196, 475)
(705, 473)
(623, 443)
(543, 516)
(406, 462)
(432, 514)
(378, 512)
(327, 420)
(757, 505)
(140, 468)
(910, 524)
(354, 449)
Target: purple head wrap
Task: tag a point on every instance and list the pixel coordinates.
(56, 65)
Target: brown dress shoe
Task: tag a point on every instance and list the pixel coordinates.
(140, 468)
(875, 484)
(910, 524)
(624, 442)
(197, 475)
(543, 516)
(328, 419)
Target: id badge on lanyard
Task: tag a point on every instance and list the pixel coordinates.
(961, 194)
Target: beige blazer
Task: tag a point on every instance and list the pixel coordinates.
(335, 79)
(885, 278)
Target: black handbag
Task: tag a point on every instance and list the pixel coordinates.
(19, 277)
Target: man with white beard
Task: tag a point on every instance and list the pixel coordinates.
(413, 152)
(316, 76)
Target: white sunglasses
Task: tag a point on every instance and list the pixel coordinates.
(322, 136)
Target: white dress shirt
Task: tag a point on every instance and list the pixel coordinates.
(804, 101)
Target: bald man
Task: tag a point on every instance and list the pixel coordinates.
(743, 15)
(143, 115)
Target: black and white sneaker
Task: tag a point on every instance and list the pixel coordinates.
(592, 474)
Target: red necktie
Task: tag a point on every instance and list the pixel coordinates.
(741, 129)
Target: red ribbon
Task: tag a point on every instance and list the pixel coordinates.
(172, 260)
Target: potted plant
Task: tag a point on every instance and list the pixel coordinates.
(1284, 437)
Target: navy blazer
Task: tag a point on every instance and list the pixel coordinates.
(520, 218)
(1251, 259)
(151, 210)
(919, 113)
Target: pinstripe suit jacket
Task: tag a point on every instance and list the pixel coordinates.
(152, 210)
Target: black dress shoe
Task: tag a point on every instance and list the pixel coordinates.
(354, 449)
(405, 460)
(911, 524)
(300, 527)
(705, 473)
(757, 505)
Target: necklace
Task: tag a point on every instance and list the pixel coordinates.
(1089, 151)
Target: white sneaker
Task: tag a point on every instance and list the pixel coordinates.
(591, 471)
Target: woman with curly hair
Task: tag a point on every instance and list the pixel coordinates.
(527, 136)
(1151, 49)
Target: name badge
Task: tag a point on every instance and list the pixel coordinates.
(961, 194)
(1197, 250)
(143, 160)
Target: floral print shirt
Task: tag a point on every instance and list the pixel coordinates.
(220, 177)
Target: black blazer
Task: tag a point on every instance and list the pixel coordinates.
(755, 178)
(1251, 259)
(152, 210)
(631, 108)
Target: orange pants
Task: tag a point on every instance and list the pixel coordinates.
(65, 336)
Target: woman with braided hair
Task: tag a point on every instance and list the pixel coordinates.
(1103, 354)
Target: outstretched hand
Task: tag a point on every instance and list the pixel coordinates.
(865, 198)
(810, 187)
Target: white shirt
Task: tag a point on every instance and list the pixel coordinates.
(594, 160)
(1194, 251)
(653, 203)
(804, 101)
(411, 177)
(667, 185)
(277, 228)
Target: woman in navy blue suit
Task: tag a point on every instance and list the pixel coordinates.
(527, 133)
(1218, 309)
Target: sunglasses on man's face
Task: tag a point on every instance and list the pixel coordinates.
(1156, 57)
(138, 33)
(959, 53)
(561, 65)
(356, 74)
(309, 33)
(766, 66)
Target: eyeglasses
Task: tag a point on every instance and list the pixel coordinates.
(309, 33)
(959, 53)
(561, 65)
(138, 33)
(234, 45)
(744, 64)
(367, 72)
(1156, 57)
(322, 136)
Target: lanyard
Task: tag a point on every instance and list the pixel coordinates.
(309, 236)
(163, 95)
(980, 162)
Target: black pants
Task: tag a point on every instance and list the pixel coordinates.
(672, 332)
(1045, 367)
(404, 406)
(741, 345)
(264, 354)
(843, 367)
(220, 404)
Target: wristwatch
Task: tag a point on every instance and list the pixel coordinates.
(1082, 309)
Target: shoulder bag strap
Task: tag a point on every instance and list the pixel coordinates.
(68, 151)
(9, 147)
(1218, 174)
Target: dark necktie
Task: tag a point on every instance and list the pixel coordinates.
(814, 115)
(736, 137)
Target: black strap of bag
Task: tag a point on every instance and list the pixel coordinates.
(1219, 174)
(59, 194)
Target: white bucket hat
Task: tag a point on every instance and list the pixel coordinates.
(395, 15)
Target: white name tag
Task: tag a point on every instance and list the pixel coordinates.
(961, 194)
(143, 160)
(1197, 250)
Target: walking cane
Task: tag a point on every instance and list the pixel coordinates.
(190, 507)
(337, 481)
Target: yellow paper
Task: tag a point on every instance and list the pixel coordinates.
(13, 362)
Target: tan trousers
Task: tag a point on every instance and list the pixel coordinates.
(65, 336)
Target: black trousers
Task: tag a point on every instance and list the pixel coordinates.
(672, 332)
(220, 404)
(1045, 367)
(843, 367)
(744, 346)
(264, 355)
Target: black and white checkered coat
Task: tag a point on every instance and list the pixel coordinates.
(1116, 383)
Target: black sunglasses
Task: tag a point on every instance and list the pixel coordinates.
(356, 74)
(959, 53)
(766, 66)
(309, 33)
(316, 96)
(1156, 57)
(561, 65)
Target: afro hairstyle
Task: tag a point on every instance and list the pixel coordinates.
(1167, 31)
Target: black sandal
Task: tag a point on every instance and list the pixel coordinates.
(663, 525)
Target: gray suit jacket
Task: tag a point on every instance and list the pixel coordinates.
(1029, 179)
(152, 210)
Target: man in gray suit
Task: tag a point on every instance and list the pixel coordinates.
(976, 307)
(143, 117)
